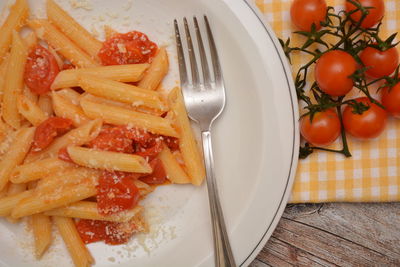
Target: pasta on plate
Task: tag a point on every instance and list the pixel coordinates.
(86, 132)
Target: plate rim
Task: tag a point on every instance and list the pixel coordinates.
(296, 136)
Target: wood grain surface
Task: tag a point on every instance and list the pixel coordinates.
(335, 234)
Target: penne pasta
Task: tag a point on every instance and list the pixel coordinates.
(7, 136)
(122, 116)
(107, 160)
(3, 72)
(70, 94)
(3, 193)
(88, 210)
(14, 82)
(30, 95)
(72, 29)
(16, 154)
(187, 143)
(44, 102)
(14, 189)
(157, 71)
(51, 198)
(174, 171)
(15, 20)
(30, 110)
(66, 109)
(9, 202)
(66, 47)
(78, 136)
(79, 253)
(121, 92)
(39, 169)
(120, 73)
(60, 61)
(30, 40)
(102, 100)
(41, 226)
(67, 178)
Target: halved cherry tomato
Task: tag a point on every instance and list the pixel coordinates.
(112, 233)
(379, 63)
(48, 130)
(152, 151)
(116, 192)
(128, 48)
(369, 124)
(113, 139)
(391, 100)
(158, 176)
(40, 70)
(323, 130)
(140, 136)
(332, 72)
(375, 13)
(171, 142)
(305, 13)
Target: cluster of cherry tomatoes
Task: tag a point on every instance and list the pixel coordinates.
(333, 75)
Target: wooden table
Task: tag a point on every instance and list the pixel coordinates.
(335, 234)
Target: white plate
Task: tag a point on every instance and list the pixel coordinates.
(255, 141)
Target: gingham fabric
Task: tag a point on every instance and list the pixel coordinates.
(373, 172)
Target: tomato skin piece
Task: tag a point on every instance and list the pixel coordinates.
(129, 48)
(332, 72)
(40, 70)
(306, 12)
(158, 176)
(48, 130)
(375, 14)
(380, 63)
(323, 130)
(116, 192)
(391, 100)
(370, 124)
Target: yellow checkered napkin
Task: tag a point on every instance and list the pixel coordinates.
(373, 173)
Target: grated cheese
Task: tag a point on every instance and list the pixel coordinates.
(84, 4)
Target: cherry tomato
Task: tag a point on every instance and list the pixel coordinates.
(375, 14)
(323, 130)
(40, 70)
(304, 13)
(380, 63)
(150, 151)
(369, 124)
(140, 136)
(158, 176)
(332, 72)
(116, 192)
(128, 48)
(113, 139)
(113, 233)
(391, 100)
(48, 130)
(171, 142)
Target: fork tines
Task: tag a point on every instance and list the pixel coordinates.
(192, 56)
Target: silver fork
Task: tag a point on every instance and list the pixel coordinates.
(204, 102)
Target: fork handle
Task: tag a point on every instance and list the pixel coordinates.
(222, 248)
